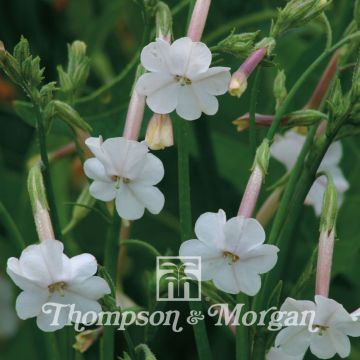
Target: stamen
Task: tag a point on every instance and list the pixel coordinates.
(59, 286)
(182, 80)
(232, 257)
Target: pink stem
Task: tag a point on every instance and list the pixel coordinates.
(198, 19)
(324, 262)
(134, 116)
(251, 193)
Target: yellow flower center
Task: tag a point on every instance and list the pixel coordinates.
(182, 80)
(59, 286)
(322, 329)
(119, 180)
(231, 257)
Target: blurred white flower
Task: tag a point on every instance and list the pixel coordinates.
(9, 322)
(124, 170)
(278, 354)
(286, 150)
(332, 325)
(180, 78)
(46, 274)
(232, 252)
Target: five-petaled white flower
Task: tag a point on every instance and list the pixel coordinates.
(232, 252)
(125, 171)
(180, 78)
(331, 327)
(47, 275)
(287, 148)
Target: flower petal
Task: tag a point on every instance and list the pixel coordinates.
(243, 235)
(332, 156)
(294, 340)
(215, 81)
(92, 288)
(316, 194)
(29, 303)
(128, 206)
(208, 103)
(82, 266)
(188, 106)
(180, 51)
(199, 61)
(226, 279)
(322, 346)
(249, 282)
(95, 170)
(261, 259)
(16, 275)
(211, 258)
(209, 229)
(279, 354)
(165, 99)
(154, 57)
(152, 171)
(150, 196)
(103, 191)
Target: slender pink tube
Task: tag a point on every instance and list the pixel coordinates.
(43, 223)
(134, 116)
(198, 19)
(251, 193)
(324, 262)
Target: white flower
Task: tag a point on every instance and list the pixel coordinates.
(180, 78)
(9, 322)
(278, 354)
(46, 274)
(124, 170)
(232, 252)
(286, 149)
(333, 325)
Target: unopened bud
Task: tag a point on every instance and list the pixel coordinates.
(82, 208)
(239, 45)
(70, 115)
(86, 338)
(338, 103)
(78, 48)
(39, 203)
(304, 117)
(238, 84)
(159, 133)
(280, 91)
(329, 207)
(262, 157)
(163, 22)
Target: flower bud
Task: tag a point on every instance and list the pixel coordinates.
(238, 84)
(86, 338)
(39, 203)
(262, 156)
(329, 207)
(304, 117)
(81, 209)
(280, 91)
(163, 22)
(337, 102)
(239, 45)
(70, 115)
(159, 133)
(297, 13)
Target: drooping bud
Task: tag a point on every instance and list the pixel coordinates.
(239, 45)
(69, 115)
(163, 22)
(81, 209)
(87, 338)
(159, 133)
(39, 203)
(297, 13)
(280, 91)
(238, 82)
(304, 117)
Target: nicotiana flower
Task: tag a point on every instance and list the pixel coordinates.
(9, 322)
(287, 148)
(125, 171)
(278, 354)
(232, 252)
(47, 275)
(180, 78)
(331, 327)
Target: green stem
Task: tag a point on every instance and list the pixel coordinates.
(110, 263)
(139, 243)
(252, 111)
(284, 108)
(11, 228)
(242, 332)
(182, 127)
(47, 175)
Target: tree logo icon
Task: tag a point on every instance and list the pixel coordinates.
(178, 278)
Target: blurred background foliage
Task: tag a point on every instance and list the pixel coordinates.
(221, 159)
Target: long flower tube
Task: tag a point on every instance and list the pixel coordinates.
(198, 19)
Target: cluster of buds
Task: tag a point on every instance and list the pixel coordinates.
(297, 13)
(74, 78)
